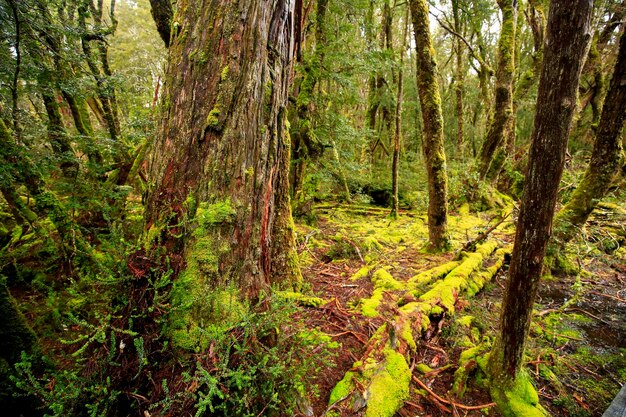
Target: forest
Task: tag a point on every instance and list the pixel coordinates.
(312, 208)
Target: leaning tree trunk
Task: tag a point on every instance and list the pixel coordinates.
(430, 100)
(568, 33)
(502, 110)
(223, 144)
(606, 158)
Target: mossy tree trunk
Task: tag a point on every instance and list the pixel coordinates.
(459, 78)
(606, 159)
(15, 110)
(397, 134)
(592, 88)
(16, 336)
(223, 143)
(430, 100)
(305, 144)
(57, 135)
(503, 104)
(98, 63)
(568, 33)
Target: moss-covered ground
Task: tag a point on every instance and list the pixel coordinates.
(438, 314)
(410, 327)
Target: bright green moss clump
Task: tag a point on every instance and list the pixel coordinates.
(389, 387)
(383, 281)
(520, 400)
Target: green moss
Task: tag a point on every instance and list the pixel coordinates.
(437, 272)
(343, 388)
(212, 120)
(383, 279)
(406, 333)
(300, 298)
(465, 321)
(363, 272)
(518, 400)
(224, 73)
(422, 368)
(369, 306)
(389, 387)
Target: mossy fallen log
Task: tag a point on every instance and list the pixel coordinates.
(379, 382)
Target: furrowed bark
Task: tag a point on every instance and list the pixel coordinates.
(222, 139)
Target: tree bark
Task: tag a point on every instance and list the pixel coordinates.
(606, 158)
(459, 79)
(58, 138)
(306, 145)
(397, 135)
(568, 33)
(162, 13)
(222, 144)
(430, 100)
(502, 109)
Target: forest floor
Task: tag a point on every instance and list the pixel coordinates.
(576, 352)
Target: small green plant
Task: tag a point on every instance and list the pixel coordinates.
(265, 365)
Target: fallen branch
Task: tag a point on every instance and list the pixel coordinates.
(452, 403)
(621, 300)
(471, 245)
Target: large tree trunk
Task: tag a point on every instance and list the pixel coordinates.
(568, 34)
(606, 158)
(430, 100)
(502, 110)
(223, 143)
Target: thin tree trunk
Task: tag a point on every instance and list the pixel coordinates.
(430, 100)
(606, 159)
(502, 110)
(80, 115)
(222, 144)
(459, 79)
(568, 33)
(17, 125)
(397, 136)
